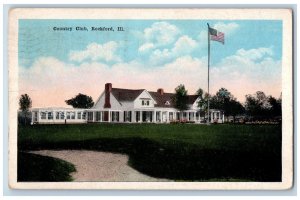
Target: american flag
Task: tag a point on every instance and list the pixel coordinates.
(219, 37)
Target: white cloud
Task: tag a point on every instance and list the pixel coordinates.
(95, 52)
(227, 28)
(145, 47)
(255, 54)
(158, 35)
(163, 42)
(182, 47)
(247, 72)
(50, 81)
(161, 33)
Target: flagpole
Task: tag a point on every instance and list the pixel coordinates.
(208, 60)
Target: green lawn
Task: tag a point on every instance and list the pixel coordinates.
(182, 152)
(33, 167)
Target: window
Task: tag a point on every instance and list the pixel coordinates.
(43, 115)
(127, 116)
(98, 116)
(90, 116)
(167, 103)
(145, 102)
(83, 115)
(35, 116)
(62, 115)
(68, 115)
(57, 115)
(50, 115)
(79, 115)
(171, 116)
(72, 115)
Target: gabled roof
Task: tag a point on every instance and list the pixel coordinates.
(162, 99)
(192, 99)
(126, 94)
(169, 97)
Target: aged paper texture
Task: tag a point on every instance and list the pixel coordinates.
(119, 58)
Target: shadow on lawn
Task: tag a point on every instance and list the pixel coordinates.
(33, 167)
(182, 162)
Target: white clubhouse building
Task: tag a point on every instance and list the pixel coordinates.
(119, 105)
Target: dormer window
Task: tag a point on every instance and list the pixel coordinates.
(145, 102)
(167, 103)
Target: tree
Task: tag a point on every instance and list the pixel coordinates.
(225, 101)
(275, 106)
(258, 105)
(235, 108)
(202, 103)
(201, 96)
(181, 99)
(25, 104)
(81, 101)
(223, 98)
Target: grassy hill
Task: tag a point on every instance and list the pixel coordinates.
(182, 152)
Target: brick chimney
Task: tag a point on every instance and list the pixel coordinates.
(108, 87)
(160, 91)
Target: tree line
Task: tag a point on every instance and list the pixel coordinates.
(256, 107)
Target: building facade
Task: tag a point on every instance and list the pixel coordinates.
(118, 105)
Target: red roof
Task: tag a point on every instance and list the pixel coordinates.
(162, 100)
(126, 94)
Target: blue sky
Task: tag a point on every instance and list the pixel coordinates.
(252, 50)
(37, 38)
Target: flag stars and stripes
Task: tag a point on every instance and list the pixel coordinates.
(219, 37)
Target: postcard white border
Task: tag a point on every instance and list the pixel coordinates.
(126, 13)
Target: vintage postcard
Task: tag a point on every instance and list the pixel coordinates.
(177, 99)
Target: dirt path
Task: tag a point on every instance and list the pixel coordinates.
(99, 166)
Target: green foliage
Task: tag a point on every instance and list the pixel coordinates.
(187, 152)
(223, 100)
(81, 101)
(181, 99)
(275, 109)
(33, 168)
(261, 106)
(25, 103)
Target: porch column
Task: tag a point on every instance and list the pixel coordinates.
(212, 117)
(94, 116)
(154, 116)
(109, 118)
(223, 118)
(39, 115)
(133, 113)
